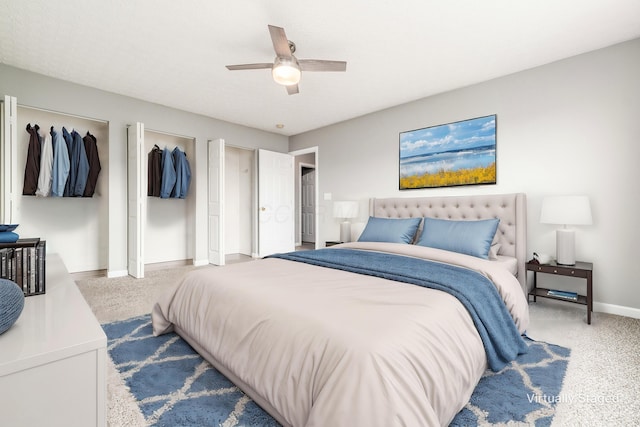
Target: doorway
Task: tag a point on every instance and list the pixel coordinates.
(307, 198)
(259, 178)
(307, 204)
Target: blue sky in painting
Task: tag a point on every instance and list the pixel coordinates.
(466, 134)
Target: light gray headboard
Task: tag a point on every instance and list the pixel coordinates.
(511, 209)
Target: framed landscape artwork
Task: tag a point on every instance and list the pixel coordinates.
(459, 153)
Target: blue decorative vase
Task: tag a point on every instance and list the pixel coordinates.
(11, 303)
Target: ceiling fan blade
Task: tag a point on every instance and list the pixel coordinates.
(292, 89)
(280, 41)
(250, 66)
(321, 65)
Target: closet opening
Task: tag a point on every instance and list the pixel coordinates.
(239, 191)
(74, 226)
(169, 223)
(161, 203)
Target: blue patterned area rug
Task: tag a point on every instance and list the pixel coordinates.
(174, 386)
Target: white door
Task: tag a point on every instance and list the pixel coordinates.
(136, 194)
(276, 205)
(215, 241)
(8, 161)
(307, 202)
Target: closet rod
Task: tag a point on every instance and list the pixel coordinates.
(239, 147)
(169, 134)
(29, 107)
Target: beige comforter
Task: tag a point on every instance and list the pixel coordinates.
(321, 347)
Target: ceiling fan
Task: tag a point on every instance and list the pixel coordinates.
(286, 68)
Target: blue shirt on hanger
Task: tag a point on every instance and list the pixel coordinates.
(183, 174)
(79, 158)
(60, 169)
(168, 174)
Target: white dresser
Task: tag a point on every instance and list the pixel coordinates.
(53, 359)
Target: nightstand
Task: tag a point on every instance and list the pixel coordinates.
(327, 244)
(583, 270)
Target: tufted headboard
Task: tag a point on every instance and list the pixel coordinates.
(511, 209)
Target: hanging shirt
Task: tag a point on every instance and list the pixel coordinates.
(60, 169)
(46, 167)
(183, 174)
(154, 172)
(79, 157)
(168, 174)
(32, 167)
(73, 167)
(91, 149)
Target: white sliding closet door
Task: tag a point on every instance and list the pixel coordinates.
(136, 216)
(276, 203)
(215, 209)
(8, 161)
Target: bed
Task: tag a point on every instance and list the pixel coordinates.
(377, 332)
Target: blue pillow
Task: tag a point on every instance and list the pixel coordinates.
(8, 237)
(391, 230)
(466, 237)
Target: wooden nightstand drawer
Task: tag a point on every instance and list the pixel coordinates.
(561, 270)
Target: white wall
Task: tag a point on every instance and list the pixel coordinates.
(570, 127)
(36, 90)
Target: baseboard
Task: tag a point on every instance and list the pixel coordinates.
(200, 262)
(616, 309)
(117, 273)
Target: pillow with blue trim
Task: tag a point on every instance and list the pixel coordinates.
(466, 237)
(391, 230)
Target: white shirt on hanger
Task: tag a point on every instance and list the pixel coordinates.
(46, 166)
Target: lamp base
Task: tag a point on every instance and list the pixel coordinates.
(345, 231)
(565, 247)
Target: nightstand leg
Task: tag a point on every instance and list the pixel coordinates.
(589, 297)
(535, 285)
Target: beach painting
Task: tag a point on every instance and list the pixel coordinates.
(459, 153)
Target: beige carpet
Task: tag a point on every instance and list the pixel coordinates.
(119, 299)
(124, 297)
(601, 388)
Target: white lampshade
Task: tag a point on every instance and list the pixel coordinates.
(345, 209)
(566, 210)
(286, 72)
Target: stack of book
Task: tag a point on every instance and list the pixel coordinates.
(23, 262)
(563, 294)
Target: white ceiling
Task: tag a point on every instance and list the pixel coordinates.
(174, 52)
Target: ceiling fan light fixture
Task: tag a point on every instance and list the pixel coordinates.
(286, 71)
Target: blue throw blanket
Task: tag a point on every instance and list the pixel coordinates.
(499, 334)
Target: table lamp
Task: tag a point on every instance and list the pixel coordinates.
(566, 210)
(345, 210)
